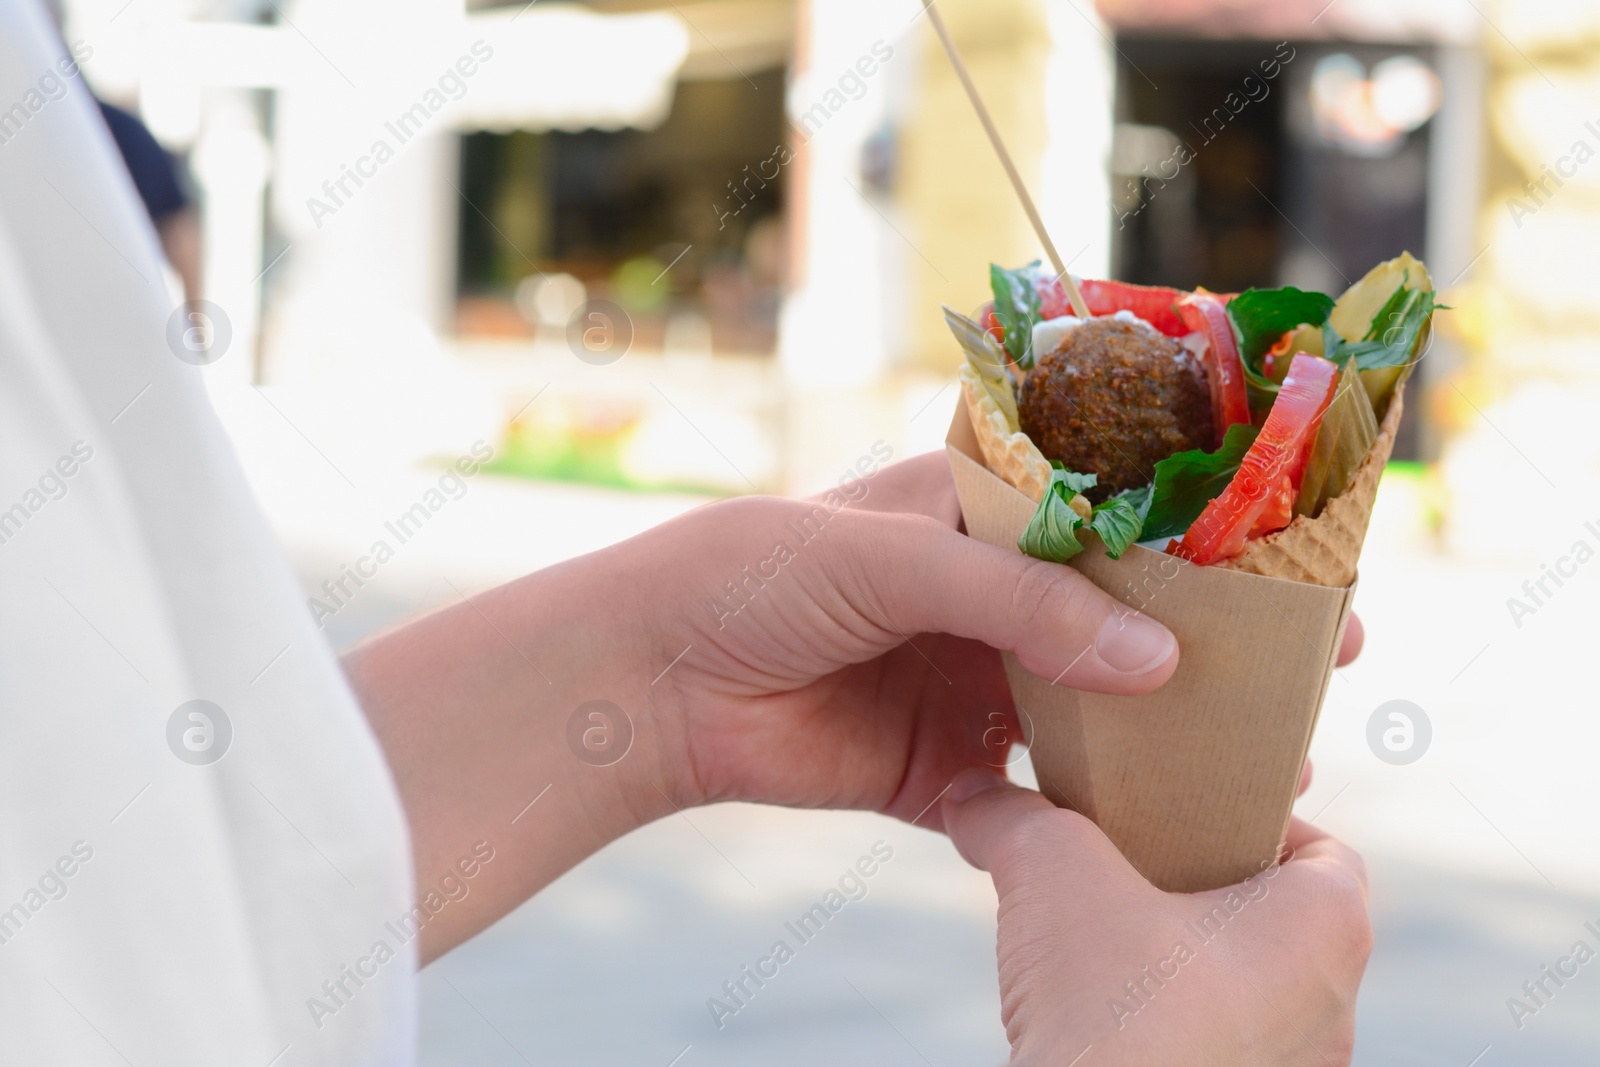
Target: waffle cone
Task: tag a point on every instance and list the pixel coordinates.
(1326, 549)
(1007, 451)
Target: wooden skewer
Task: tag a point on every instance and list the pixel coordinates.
(1079, 308)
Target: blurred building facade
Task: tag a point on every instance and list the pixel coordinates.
(412, 208)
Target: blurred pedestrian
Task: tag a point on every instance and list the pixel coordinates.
(159, 180)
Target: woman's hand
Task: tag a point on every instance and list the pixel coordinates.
(847, 658)
(1093, 957)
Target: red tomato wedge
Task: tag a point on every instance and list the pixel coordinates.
(1206, 314)
(1260, 499)
(1153, 304)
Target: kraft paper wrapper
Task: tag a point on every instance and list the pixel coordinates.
(1194, 782)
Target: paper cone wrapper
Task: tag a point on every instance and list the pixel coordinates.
(1194, 782)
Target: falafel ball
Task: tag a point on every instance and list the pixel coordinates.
(1113, 399)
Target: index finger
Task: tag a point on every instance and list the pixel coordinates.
(1354, 636)
(921, 485)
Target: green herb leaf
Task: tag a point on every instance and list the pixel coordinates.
(1016, 307)
(1392, 308)
(1187, 481)
(1392, 336)
(1387, 355)
(1052, 533)
(1075, 482)
(1395, 334)
(1262, 316)
(1333, 344)
(1389, 351)
(1119, 520)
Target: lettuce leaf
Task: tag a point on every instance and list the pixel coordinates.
(1052, 533)
(1120, 520)
(1262, 316)
(1016, 307)
(1077, 483)
(1187, 481)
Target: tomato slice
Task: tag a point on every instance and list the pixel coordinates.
(1260, 499)
(1206, 314)
(1151, 303)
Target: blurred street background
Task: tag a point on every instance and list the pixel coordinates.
(655, 253)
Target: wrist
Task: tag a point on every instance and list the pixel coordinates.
(621, 699)
(682, 590)
(482, 710)
(616, 747)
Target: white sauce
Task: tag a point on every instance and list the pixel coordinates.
(1049, 333)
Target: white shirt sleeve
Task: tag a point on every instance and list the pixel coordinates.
(218, 883)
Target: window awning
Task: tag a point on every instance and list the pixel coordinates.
(1297, 20)
(562, 67)
(555, 66)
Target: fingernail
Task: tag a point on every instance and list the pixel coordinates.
(970, 783)
(1133, 644)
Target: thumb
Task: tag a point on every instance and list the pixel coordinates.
(1017, 835)
(1061, 626)
(982, 813)
(1051, 856)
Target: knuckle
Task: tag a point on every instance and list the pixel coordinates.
(882, 531)
(1046, 597)
(1040, 848)
(921, 526)
(741, 513)
(1361, 939)
(1349, 921)
(1358, 869)
(1350, 897)
(1339, 1045)
(1035, 834)
(880, 543)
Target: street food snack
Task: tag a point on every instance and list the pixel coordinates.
(1222, 428)
(1210, 460)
